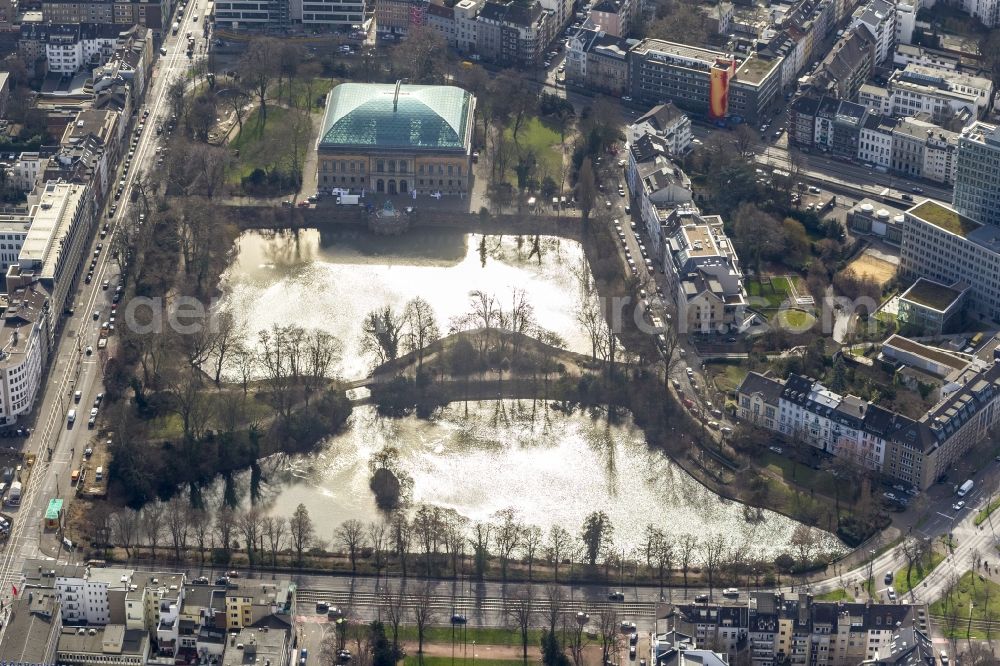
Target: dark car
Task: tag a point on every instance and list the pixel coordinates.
(222, 580)
(633, 639)
(701, 599)
(343, 656)
(616, 596)
(334, 613)
(906, 197)
(459, 619)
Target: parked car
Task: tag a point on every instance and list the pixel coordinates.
(959, 505)
(616, 596)
(459, 619)
(731, 592)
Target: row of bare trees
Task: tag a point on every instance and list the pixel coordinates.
(435, 541)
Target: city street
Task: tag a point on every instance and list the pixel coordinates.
(71, 369)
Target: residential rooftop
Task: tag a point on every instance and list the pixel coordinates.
(945, 218)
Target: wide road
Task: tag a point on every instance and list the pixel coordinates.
(70, 367)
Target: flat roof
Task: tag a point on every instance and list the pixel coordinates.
(939, 356)
(945, 218)
(932, 294)
(754, 69)
(53, 216)
(700, 241)
(53, 510)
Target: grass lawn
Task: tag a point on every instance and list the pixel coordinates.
(916, 575)
(543, 141)
(321, 86)
(727, 376)
(985, 513)
(954, 607)
(257, 150)
(774, 294)
(481, 635)
(803, 475)
(414, 660)
(794, 319)
(170, 426)
(835, 595)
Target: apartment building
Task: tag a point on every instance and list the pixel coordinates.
(805, 410)
(24, 334)
(62, 222)
(512, 33)
(24, 173)
(941, 244)
(250, 601)
(152, 14)
(802, 120)
(668, 124)
(796, 630)
(879, 17)
(110, 645)
(397, 17)
(613, 17)
(441, 19)
(657, 183)
(466, 27)
(846, 68)
(597, 61)
(88, 151)
(987, 11)
(930, 446)
(875, 140)
(977, 173)
(704, 274)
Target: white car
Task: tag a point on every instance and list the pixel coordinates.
(731, 592)
(959, 505)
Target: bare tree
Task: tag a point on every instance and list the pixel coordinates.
(557, 546)
(381, 334)
(152, 526)
(393, 605)
(687, 545)
(555, 600)
(531, 542)
(301, 532)
(322, 353)
(607, 629)
(273, 529)
(178, 524)
(402, 533)
(351, 535)
(126, 529)
(258, 67)
(714, 548)
(422, 606)
(225, 520)
(201, 528)
(520, 610)
(249, 525)
(379, 540)
(421, 327)
(509, 534)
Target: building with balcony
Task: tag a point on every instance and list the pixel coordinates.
(394, 139)
(514, 34)
(704, 275)
(879, 18)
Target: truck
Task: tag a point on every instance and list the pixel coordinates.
(14, 495)
(348, 200)
(964, 489)
(176, 26)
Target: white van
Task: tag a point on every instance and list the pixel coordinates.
(70, 418)
(99, 474)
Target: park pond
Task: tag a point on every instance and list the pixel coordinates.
(551, 467)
